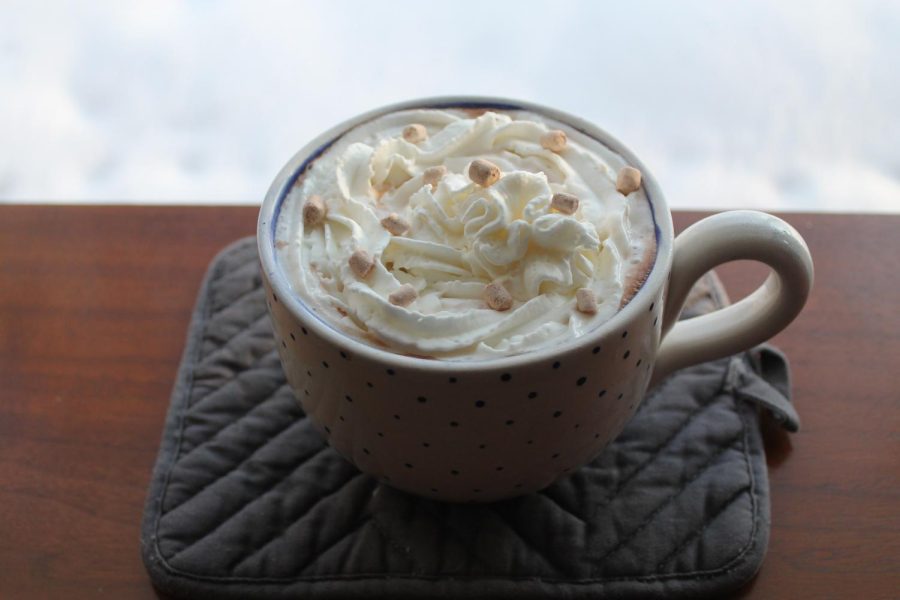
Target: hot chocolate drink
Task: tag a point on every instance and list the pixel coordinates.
(459, 234)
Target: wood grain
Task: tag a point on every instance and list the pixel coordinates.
(94, 305)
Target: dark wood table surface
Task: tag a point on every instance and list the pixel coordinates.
(94, 305)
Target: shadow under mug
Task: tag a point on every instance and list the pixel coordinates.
(497, 428)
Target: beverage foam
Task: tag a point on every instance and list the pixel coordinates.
(463, 236)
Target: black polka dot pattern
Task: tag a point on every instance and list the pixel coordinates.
(477, 414)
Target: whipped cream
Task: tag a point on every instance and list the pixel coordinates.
(462, 236)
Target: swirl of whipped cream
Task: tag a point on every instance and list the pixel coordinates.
(463, 236)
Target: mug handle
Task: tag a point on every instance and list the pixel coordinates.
(733, 235)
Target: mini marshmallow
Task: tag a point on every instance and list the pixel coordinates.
(628, 180)
(484, 172)
(396, 224)
(361, 263)
(403, 295)
(585, 301)
(497, 297)
(554, 140)
(313, 211)
(564, 203)
(432, 175)
(415, 133)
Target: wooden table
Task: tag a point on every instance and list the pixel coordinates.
(94, 305)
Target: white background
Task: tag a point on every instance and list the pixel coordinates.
(773, 105)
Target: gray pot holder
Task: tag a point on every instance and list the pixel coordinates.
(248, 501)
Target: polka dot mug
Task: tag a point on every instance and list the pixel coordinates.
(501, 427)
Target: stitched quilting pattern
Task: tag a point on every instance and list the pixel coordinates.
(254, 494)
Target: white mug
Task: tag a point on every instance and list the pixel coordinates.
(501, 427)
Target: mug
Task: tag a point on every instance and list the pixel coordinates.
(484, 430)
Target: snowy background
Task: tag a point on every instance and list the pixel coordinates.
(774, 105)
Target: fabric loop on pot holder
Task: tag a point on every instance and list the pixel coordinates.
(768, 385)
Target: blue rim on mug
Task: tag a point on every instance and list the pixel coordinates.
(284, 182)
